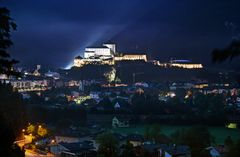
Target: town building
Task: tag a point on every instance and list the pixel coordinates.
(30, 84)
(186, 64)
(75, 149)
(78, 61)
(166, 150)
(36, 71)
(105, 51)
(131, 57)
(116, 122)
(135, 139)
(3, 77)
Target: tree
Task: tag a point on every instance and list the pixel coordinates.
(106, 103)
(11, 104)
(197, 138)
(110, 75)
(12, 108)
(153, 133)
(230, 52)
(6, 26)
(128, 150)
(228, 142)
(139, 103)
(234, 150)
(31, 129)
(211, 108)
(107, 145)
(42, 131)
(12, 119)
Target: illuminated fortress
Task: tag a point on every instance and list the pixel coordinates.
(107, 54)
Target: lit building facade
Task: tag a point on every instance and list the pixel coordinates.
(186, 64)
(106, 51)
(81, 62)
(78, 61)
(30, 85)
(111, 46)
(3, 77)
(131, 57)
(99, 51)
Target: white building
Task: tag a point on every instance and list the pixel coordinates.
(30, 85)
(131, 57)
(97, 52)
(186, 64)
(95, 95)
(106, 51)
(111, 46)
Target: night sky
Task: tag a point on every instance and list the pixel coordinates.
(53, 32)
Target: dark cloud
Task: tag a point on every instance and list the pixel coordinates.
(52, 32)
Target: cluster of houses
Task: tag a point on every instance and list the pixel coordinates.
(78, 92)
(71, 144)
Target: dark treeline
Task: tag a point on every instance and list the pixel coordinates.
(12, 110)
(210, 109)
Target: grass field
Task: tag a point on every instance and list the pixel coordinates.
(220, 133)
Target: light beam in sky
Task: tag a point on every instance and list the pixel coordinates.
(105, 33)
